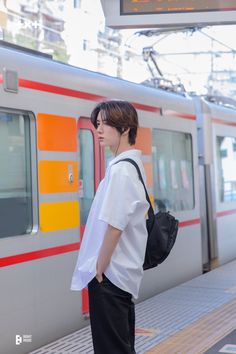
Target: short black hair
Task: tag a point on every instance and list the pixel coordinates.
(118, 114)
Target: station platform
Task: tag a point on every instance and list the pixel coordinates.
(196, 317)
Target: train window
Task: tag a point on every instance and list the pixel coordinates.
(86, 172)
(172, 170)
(16, 211)
(226, 158)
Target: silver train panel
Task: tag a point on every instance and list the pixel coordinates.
(35, 295)
(224, 127)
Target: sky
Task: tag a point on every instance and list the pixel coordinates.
(212, 48)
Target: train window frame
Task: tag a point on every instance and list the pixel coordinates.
(33, 170)
(221, 193)
(84, 122)
(82, 132)
(190, 168)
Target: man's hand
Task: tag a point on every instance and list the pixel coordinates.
(99, 278)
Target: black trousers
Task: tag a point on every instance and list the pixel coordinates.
(112, 318)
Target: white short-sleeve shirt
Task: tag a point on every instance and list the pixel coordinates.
(121, 202)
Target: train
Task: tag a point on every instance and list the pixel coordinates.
(51, 164)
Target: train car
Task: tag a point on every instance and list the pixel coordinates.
(217, 167)
(51, 165)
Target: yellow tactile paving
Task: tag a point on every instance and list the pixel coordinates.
(202, 334)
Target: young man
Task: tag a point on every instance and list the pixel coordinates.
(113, 247)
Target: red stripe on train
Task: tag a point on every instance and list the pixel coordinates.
(189, 222)
(33, 85)
(39, 86)
(168, 112)
(226, 212)
(144, 107)
(31, 256)
(48, 252)
(74, 93)
(224, 122)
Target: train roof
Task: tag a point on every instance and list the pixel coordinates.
(37, 66)
(46, 61)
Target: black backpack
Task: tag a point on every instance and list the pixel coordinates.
(162, 230)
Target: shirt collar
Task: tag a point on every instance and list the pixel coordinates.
(134, 153)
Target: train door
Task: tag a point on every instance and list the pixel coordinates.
(224, 145)
(91, 171)
(206, 184)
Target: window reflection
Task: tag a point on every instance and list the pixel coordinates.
(15, 178)
(172, 170)
(226, 157)
(86, 172)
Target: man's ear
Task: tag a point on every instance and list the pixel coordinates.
(125, 131)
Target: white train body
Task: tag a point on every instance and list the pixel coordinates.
(44, 196)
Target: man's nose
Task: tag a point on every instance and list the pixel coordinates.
(99, 128)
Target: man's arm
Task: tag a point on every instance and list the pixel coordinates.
(110, 241)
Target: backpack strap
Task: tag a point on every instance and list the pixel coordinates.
(150, 210)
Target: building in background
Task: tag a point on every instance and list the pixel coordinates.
(93, 46)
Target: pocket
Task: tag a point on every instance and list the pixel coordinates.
(103, 278)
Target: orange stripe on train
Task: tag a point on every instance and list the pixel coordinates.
(59, 215)
(58, 176)
(144, 141)
(56, 133)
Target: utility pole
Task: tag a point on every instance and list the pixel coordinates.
(40, 30)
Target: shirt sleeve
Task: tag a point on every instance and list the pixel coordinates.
(121, 199)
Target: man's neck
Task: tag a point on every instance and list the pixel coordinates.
(123, 148)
